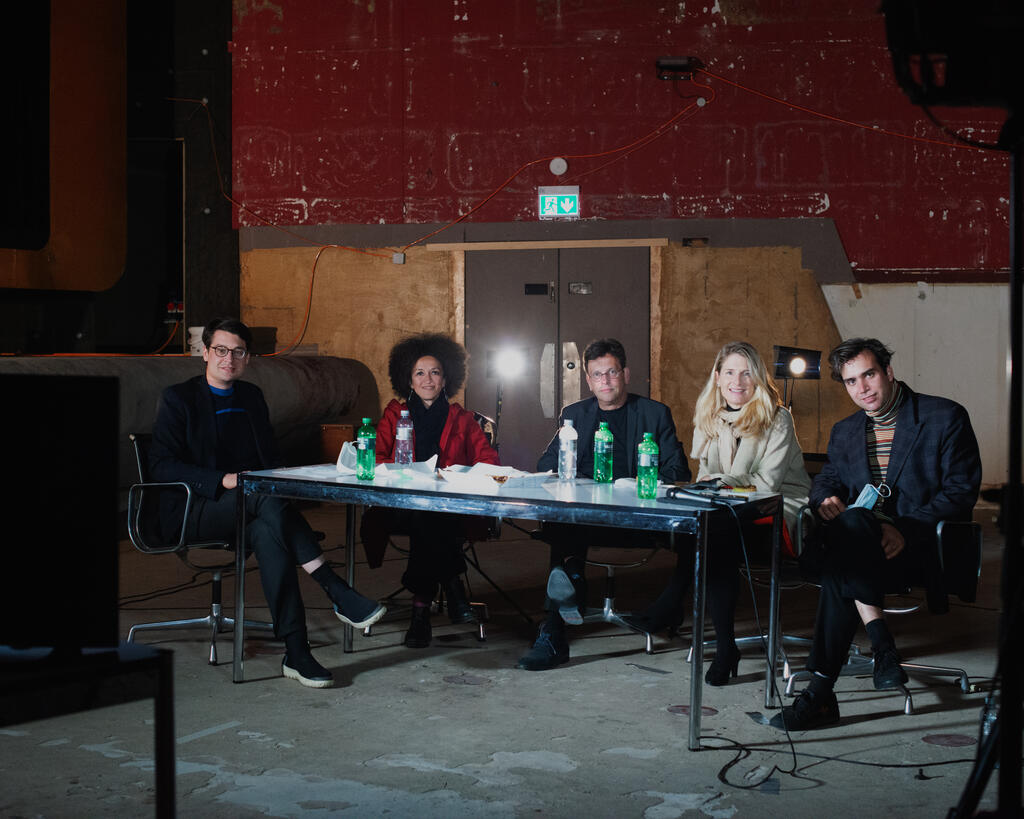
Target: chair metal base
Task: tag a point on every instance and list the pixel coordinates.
(215, 622)
(860, 665)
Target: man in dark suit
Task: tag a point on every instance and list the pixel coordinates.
(629, 416)
(207, 430)
(896, 468)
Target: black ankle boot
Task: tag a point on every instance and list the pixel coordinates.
(418, 635)
(459, 609)
(726, 663)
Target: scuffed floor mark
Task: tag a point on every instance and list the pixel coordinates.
(213, 729)
(496, 773)
(285, 793)
(674, 805)
(635, 753)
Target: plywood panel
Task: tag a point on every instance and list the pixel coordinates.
(709, 296)
(361, 304)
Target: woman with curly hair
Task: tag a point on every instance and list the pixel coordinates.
(423, 370)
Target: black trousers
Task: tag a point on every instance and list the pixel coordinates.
(435, 544)
(854, 568)
(280, 538)
(725, 556)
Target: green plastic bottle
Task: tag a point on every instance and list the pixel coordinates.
(603, 440)
(366, 451)
(647, 467)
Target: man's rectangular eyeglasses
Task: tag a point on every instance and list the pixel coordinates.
(236, 352)
(611, 375)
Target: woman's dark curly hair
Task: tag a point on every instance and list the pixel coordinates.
(408, 351)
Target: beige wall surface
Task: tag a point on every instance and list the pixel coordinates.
(361, 304)
(702, 297)
(763, 295)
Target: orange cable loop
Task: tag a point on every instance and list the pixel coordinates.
(870, 128)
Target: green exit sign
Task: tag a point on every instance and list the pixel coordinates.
(559, 202)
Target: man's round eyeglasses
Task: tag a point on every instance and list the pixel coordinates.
(236, 352)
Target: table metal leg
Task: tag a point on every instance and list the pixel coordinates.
(700, 574)
(770, 700)
(237, 672)
(350, 567)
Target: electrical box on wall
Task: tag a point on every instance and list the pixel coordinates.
(558, 202)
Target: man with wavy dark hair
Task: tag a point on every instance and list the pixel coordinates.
(895, 468)
(207, 430)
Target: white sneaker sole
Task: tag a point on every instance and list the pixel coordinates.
(292, 674)
(373, 617)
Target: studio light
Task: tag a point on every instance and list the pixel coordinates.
(795, 363)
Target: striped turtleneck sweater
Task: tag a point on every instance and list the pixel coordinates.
(881, 428)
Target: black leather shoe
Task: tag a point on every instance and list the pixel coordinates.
(459, 609)
(418, 635)
(887, 670)
(563, 593)
(809, 710)
(304, 668)
(549, 650)
(725, 665)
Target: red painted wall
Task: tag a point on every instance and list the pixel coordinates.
(392, 111)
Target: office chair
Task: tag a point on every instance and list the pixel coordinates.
(143, 530)
(959, 553)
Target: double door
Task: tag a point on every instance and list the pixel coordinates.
(546, 306)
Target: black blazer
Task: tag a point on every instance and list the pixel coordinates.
(184, 444)
(934, 472)
(934, 467)
(642, 415)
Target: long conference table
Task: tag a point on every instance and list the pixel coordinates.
(582, 501)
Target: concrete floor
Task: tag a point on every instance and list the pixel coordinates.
(456, 730)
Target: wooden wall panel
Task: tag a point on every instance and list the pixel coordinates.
(362, 304)
(710, 296)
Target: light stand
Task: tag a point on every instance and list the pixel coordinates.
(507, 363)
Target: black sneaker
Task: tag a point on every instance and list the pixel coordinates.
(562, 593)
(888, 673)
(360, 611)
(304, 668)
(419, 634)
(809, 710)
(548, 651)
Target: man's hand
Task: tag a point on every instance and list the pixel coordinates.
(892, 541)
(230, 480)
(831, 508)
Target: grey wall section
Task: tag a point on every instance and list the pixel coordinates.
(822, 249)
(302, 391)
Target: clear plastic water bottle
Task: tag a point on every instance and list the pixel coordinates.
(366, 451)
(567, 441)
(403, 440)
(603, 441)
(647, 467)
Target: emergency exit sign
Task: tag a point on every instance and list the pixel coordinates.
(559, 202)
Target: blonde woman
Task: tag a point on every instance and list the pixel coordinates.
(742, 436)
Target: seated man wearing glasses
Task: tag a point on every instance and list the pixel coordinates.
(629, 416)
(207, 430)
